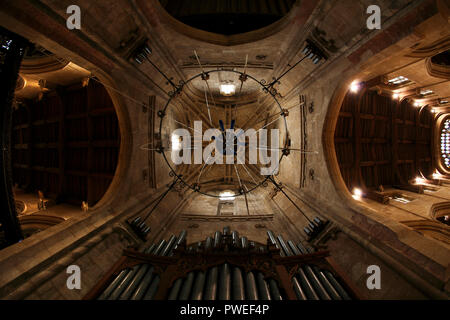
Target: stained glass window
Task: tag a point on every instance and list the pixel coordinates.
(445, 143)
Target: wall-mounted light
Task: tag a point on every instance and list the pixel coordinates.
(419, 180)
(436, 175)
(357, 194)
(227, 89)
(395, 96)
(416, 104)
(354, 87)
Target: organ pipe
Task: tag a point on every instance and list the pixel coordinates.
(224, 282)
(263, 289)
(199, 283)
(285, 249)
(306, 285)
(238, 284)
(274, 291)
(336, 285)
(298, 289)
(316, 284)
(327, 285)
(217, 239)
(173, 294)
(186, 286)
(250, 285)
(211, 284)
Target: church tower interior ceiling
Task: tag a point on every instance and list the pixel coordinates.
(225, 150)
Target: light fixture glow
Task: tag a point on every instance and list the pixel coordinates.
(395, 96)
(354, 87)
(227, 89)
(420, 180)
(416, 104)
(357, 194)
(226, 195)
(436, 175)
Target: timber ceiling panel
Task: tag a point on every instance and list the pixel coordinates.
(67, 144)
(382, 141)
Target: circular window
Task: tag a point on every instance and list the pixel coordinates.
(445, 143)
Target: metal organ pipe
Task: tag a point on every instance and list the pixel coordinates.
(186, 286)
(328, 286)
(244, 242)
(274, 241)
(169, 246)
(217, 239)
(121, 278)
(302, 248)
(153, 288)
(208, 243)
(124, 283)
(316, 284)
(199, 283)
(160, 247)
(306, 285)
(285, 249)
(274, 291)
(298, 289)
(250, 286)
(293, 248)
(164, 251)
(263, 289)
(336, 285)
(238, 284)
(235, 238)
(140, 291)
(105, 294)
(173, 294)
(224, 282)
(211, 284)
(134, 282)
(181, 238)
(272, 237)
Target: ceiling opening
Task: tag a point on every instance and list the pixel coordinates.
(228, 17)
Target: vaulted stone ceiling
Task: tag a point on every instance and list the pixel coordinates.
(412, 32)
(119, 27)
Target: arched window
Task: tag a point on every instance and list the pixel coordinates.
(445, 143)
